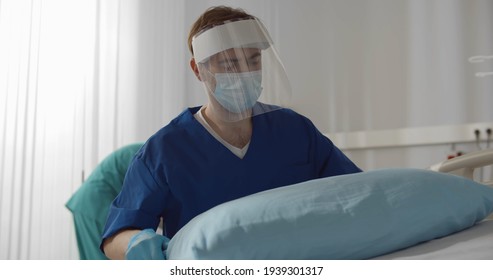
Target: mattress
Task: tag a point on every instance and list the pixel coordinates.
(475, 243)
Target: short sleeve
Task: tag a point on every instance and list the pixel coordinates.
(139, 204)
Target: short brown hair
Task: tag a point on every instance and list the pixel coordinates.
(215, 16)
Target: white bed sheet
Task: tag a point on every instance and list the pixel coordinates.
(475, 243)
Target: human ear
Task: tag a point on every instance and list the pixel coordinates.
(195, 68)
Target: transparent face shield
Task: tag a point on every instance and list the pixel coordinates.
(240, 70)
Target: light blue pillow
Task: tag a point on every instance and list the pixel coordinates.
(356, 216)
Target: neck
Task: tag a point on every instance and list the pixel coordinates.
(236, 133)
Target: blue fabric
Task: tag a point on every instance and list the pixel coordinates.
(147, 245)
(183, 171)
(356, 216)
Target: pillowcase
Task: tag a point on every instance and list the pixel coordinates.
(354, 216)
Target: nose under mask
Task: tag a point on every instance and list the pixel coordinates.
(238, 92)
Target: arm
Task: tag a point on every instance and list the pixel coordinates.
(115, 246)
(331, 160)
(137, 206)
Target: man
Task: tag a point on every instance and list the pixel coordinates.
(241, 142)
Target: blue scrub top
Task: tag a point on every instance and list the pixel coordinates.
(182, 170)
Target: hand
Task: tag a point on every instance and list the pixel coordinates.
(147, 245)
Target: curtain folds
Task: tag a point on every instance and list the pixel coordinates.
(78, 79)
(46, 55)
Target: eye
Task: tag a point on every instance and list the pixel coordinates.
(255, 60)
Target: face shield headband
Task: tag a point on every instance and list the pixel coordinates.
(241, 70)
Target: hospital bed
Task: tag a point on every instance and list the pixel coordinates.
(306, 221)
(439, 213)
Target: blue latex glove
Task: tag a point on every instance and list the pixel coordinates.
(147, 245)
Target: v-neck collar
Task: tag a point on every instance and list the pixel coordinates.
(213, 136)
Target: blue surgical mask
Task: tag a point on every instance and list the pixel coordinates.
(238, 92)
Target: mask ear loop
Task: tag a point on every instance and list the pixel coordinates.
(207, 76)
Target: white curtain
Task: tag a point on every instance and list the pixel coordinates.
(45, 72)
(80, 78)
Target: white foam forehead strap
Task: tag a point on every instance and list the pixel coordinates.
(244, 33)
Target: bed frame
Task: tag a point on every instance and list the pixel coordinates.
(466, 164)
